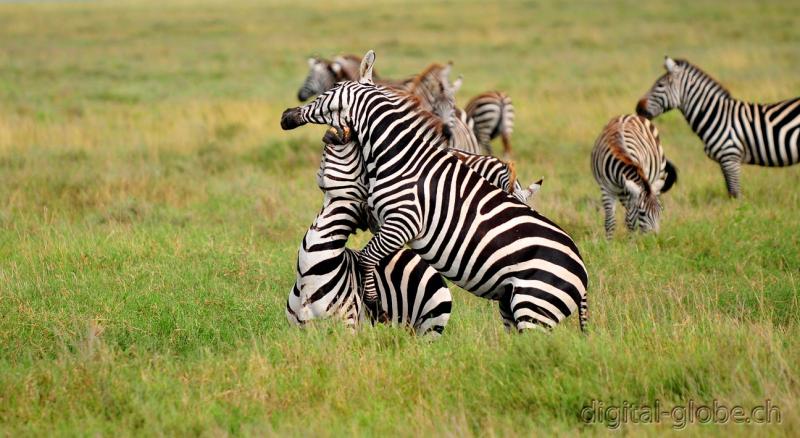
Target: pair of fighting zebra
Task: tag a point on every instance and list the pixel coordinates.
(328, 278)
(418, 194)
(487, 116)
(628, 160)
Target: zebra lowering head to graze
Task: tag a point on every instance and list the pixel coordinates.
(734, 132)
(492, 114)
(480, 237)
(435, 93)
(328, 276)
(629, 165)
(324, 74)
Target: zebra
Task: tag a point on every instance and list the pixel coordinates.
(733, 131)
(492, 114)
(499, 173)
(629, 165)
(328, 275)
(323, 74)
(436, 94)
(475, 234)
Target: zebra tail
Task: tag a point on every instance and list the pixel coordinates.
(672, 177)
(506, 124)
(583, 313)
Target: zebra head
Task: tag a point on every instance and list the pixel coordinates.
(666, 93)
(444, 102)
(333, 106)
(643, 208)
(322, 76)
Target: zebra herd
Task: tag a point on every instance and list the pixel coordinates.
(402, 160)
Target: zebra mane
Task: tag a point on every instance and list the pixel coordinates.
(417, 80)
(616, 146)
(416, 105)
(700, 72)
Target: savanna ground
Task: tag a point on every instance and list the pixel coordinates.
(151, 209)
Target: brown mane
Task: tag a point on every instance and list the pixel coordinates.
(416, 104)
(616, 145)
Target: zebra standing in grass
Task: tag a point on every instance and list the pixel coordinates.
(734, 132)
(328, 276)
(492, 114)
(483, 239)
(629, 165)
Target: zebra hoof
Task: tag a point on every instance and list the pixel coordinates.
(337, 136)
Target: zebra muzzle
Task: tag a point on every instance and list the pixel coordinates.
(641, 109)
(292, 118)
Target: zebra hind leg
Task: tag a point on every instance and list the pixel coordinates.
(504, 305)
(731, 170)
(528, 314)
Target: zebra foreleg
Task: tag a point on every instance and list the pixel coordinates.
(609, 206)
(731, 169)
(392, 236)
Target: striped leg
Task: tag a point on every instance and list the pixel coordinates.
(393, 235)
(731, 169)
(609, 206)
(506, 313)
(532, 311)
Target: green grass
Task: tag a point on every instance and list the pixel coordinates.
(151, 208)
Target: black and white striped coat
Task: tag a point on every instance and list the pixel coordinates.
(328, 283)
(734, 132)
(492, 114)
(500, 173)
(481, 238)
(629, 165)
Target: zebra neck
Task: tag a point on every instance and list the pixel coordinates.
(707, 107)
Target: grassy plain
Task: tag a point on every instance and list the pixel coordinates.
(151, 208)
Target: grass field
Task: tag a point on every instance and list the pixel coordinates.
(151, 209)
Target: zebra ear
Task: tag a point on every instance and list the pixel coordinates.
(670, 64)
(658, 186)
(457, 84)
(336, 68)
(312, 61)
(633, 188)
(366, 68)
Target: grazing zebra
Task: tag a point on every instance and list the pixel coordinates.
(328, 276)
(628, 163)
(492, 114)
(324, 74)
(483, 239)
(734, 132)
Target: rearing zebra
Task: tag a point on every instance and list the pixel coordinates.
(628, 163)
(483, 239)
(734, 132)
